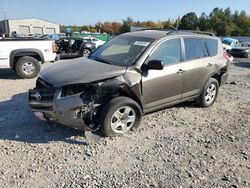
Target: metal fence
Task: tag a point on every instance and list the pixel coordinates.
(242, 39)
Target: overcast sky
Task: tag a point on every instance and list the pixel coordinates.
(83, 12)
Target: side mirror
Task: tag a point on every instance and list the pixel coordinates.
(155, 64)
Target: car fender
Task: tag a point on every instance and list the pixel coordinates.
(26, 52)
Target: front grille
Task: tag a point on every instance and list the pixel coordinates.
(41, 98)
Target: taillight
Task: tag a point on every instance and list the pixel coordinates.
(54, 47)
(226, 56)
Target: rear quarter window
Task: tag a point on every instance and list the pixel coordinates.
(212, 46)
(194, 49)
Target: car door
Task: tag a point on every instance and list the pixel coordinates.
(198, 66)
(160, 87)
(5, 50)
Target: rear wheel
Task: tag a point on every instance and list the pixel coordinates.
(209, 93)
(119, 116)
(27, 67)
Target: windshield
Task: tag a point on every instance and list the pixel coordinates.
(121, 51)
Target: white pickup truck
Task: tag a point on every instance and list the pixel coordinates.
(25, 56)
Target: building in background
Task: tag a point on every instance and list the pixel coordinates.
(25, 27)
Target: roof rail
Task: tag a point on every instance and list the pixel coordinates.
(153, 28)
(179, 31)
(191, 31)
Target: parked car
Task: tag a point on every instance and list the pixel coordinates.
(229, 43)
(245, 44)
(94, 40)
(69, 47)
(25, 55)
(243, 50)
(130, 75)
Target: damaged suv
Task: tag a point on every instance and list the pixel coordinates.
(132, 74)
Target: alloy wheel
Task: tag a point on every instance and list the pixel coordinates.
(123, 119)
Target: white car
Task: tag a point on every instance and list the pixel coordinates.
(96, 41)
(229, 43)
(25, 56)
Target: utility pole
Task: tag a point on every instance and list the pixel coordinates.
(177, 22)
(4, 13)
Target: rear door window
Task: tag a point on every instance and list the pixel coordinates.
(194, 49)
(212, 46)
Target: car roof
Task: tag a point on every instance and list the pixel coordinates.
(230, 39)
(154, 34)
(157, 34)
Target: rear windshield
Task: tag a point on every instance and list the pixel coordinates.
(227, 42)
(212, 46)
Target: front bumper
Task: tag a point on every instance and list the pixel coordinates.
(72, 111)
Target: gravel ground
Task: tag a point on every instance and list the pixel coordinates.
(181, 146)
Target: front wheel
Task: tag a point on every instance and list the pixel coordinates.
(27, 67)
(209, 93)
(119, 116)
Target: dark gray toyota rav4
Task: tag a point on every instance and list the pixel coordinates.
(133, 74)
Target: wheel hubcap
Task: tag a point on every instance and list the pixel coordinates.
(28, 68)
(123, 120)
(86, 53)
(210, 93)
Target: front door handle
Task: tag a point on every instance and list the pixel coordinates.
(209, 65)
(180, 71)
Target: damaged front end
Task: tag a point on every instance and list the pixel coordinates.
(77, 106)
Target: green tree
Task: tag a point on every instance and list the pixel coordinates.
(167, 24)
(126, 25)
(189, 21)
(204, 22)
(217, 23)
(243, 23)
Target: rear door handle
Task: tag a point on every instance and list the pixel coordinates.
(180, 71)
(209, 65)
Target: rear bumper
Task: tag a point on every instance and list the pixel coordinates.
(50, 57)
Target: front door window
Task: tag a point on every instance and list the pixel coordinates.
(169, 52)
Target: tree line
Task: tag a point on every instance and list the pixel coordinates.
(222, 22)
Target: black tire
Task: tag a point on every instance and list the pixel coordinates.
(27, 67)
(208, 98)
(108, 115)
(86, 52)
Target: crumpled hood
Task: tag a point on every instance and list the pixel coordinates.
(81, 70)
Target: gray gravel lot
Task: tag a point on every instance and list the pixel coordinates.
(181, 146)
